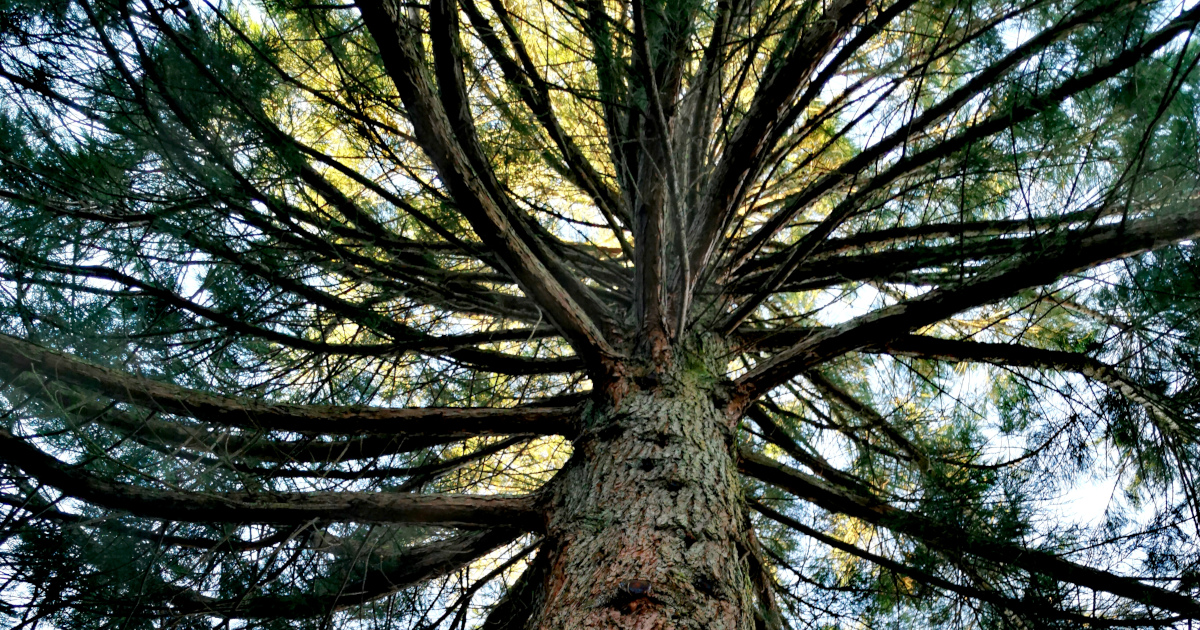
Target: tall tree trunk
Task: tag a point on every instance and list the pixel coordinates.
(648, 528)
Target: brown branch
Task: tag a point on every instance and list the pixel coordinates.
(958, 351)
(1070, 253)
(309, 175)
(21, 356)
(452, 347)
(452, 92)
(283, 508)
(830, 264)
(41, 510)
(420, 474)
(870, 415)
(228, 446)
(609, 77)
(650, 199)
(230, 449)
(704, 95)
(1004, 354)
(565, 299)
(660, 190)
(956, 230)
(532, 88)
(405, 269)
(743, 155)
(944, 584)
(941, 536)
(992, 125)
(363, 315)
(514, 609)
(897, 264)
(169, 437)
(777, 435)
(380, 578)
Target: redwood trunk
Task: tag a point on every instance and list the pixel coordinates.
(648, 528)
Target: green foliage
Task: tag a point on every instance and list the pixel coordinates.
(238, 199)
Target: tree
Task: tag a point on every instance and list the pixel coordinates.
(654, 314)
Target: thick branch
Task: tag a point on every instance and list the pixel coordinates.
(650, 199)
(933, 580)
(957, 230)
(533, 90)
(381, 578)
(168, 437)
(38, 509)
(455, 348)
(743, 156)
(991, 125)
(419, 475)
(1012, 355)
(896, 264)
(403, 58)
(956, 351)
(22, 356)
(941, 536)
(1073, 252)
(276, 508)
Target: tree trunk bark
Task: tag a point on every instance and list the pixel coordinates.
(648, 528)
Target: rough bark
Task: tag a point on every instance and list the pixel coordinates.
(648, 518)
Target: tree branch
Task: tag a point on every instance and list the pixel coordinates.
(41, 510)
(532, 88)
(777, 435)
(379, 578)
(403, 57)
(1071, 252)
(869, 414)
(991, 125)
(22, 356)
(453, 347)
(269, 507)
(940, 536)
(743, 155)
(958, 351)
(933, 580)
(513, 611)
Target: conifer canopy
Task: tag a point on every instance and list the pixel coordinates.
(383, 314)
